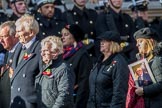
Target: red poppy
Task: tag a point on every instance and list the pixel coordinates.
(47, 72)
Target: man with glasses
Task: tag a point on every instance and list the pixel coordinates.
(9, 42)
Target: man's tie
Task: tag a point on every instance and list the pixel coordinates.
(23, 51)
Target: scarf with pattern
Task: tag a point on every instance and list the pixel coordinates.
(70, 51)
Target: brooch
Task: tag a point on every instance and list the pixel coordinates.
(112, 64)
(26, 56)
(47, 72)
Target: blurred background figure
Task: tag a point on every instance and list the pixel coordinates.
(83, 17)
(76, 55)
(19, 8)
(141, 17)
(113, 19)
(49, 19)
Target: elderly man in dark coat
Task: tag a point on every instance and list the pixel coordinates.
(25, 64)
(9, 42)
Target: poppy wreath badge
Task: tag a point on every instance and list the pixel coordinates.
(27, 56)
(47, 72)
(112, 65)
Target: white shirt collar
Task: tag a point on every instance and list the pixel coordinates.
(13, 49)
(27, 45)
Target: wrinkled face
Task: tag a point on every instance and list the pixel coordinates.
(6, 39)
(47, 10)
(104, 46)
(80, 3)
(47, 54)
(142, 46)
(24, 36)
(19, 6)
(116, 3)
(67, 38)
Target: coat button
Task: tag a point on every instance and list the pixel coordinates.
(40, 24)
(19, 102)
(76, 22)
(126, 25)
(11, 100)
(74, 13)
(37, 18)
(70, 64)
(90, 55)
(56, 23)
(91, 22)
(59, 32)
(91, 33)
(24, 75)
(19, 89)
(43, 33)
(11, 87)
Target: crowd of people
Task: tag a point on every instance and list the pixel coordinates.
(78, 58)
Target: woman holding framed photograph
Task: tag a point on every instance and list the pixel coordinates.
(148, 48)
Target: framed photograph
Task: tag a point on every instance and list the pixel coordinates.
(141, 73)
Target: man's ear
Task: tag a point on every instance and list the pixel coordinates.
(32, 33)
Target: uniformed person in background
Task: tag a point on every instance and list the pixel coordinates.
(3, 6)
(113, 19)
(9, 42)
(48, 17)
(141, 16)
(83, 17)
(19, 8)
(101, 6)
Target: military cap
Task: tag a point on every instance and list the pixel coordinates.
(110, 35)
(146, 33)
(13, 1)
(141, 5)
(43, 2)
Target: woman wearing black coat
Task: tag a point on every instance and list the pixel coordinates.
(150, 49)
(108, 78)
(76, 55)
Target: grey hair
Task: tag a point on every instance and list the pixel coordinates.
(11, 25)
(55, 43)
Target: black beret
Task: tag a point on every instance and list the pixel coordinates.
(76, 31)
(146, 33)
(141, 5)
(110, 35)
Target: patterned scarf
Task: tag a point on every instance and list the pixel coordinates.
(70, 51)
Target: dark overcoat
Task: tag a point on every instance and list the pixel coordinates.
(153, 92)
(81, 64)
(108, 83)
(23, 93)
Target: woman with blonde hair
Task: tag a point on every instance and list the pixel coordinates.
(108, 78)
(150, 95)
